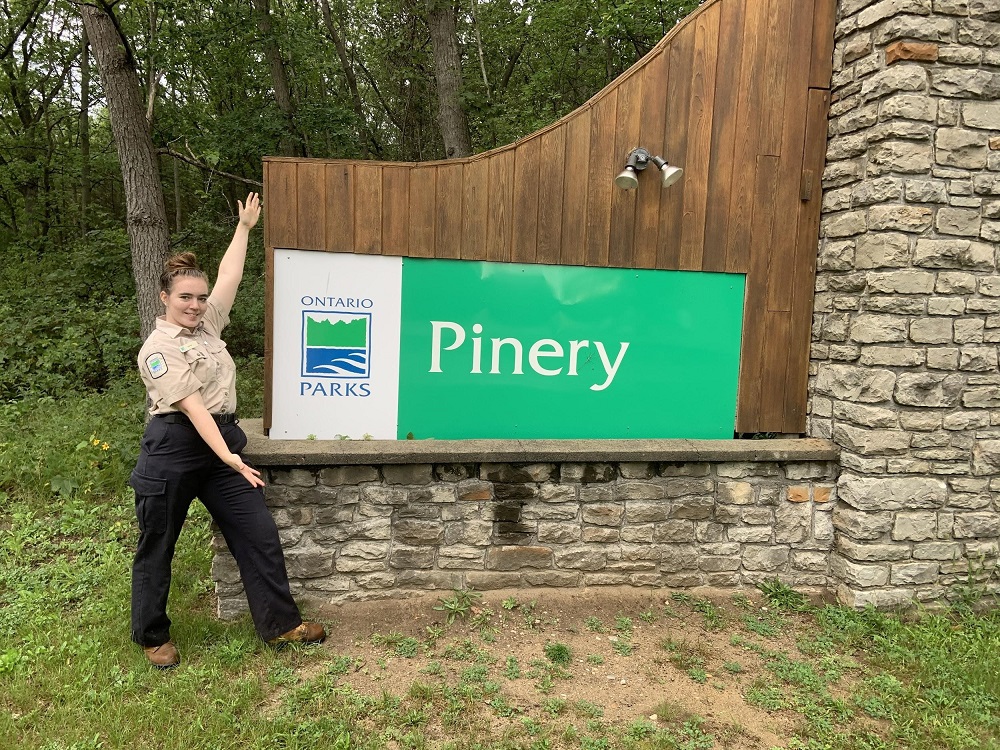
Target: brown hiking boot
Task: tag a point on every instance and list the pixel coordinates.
(164, 656)
(307, 632)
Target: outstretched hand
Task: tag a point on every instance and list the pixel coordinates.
(250, 212)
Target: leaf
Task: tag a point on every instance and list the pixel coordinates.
(63, 486)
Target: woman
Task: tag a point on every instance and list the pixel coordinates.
(192, 449)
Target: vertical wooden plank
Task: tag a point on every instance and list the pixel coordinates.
(652, 136)
(448, 224)
(311, 206)
(720, 170)
(524, 230)
(475, 209)
(814, 154)
(754, 319)
(423, 199)
(824, 22)
(622, 231)
(668, 252)
(501, 206)
(368, 209)
(699, 146)
(748, 103)
(340, 208)
(600, 177)
(772, 95)
(574, 224)
(773, 377)
(552, 166)
(282, 203)
(395, 210)
(781, 262)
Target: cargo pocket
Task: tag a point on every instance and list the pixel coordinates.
(150, 502)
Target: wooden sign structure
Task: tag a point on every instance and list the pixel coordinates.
(737, 94)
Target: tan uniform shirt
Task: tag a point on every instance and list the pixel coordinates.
(176, 361)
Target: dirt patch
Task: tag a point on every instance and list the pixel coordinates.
(630, 655)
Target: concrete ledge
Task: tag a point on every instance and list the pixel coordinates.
(262, 451)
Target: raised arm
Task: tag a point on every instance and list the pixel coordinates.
(231, 267)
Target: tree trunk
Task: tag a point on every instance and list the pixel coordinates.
(448, 75)
(146, 216)
(291, 144)
(84, 128)
(352, 80)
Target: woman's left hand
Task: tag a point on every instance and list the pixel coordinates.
(250, 211)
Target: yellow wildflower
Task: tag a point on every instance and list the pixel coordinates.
(95, 441)
(104, 446)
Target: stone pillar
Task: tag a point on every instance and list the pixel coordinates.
(903, 373)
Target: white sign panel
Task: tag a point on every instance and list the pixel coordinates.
(336, 345)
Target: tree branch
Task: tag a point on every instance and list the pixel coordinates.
(202, 165)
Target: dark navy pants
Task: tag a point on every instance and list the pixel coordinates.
(175, 465)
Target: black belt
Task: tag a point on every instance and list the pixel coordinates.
(176, 417)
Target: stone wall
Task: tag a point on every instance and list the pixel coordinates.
(366, 531)
(904, 371)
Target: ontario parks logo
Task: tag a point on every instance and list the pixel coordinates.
(336, 344)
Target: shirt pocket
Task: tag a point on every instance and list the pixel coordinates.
(200, 363)
(219, 353)
(150, 502)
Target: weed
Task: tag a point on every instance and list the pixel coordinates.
(558, 653)
(594, 743)
(711, 613)
(595, 659)
(783, 596)
(528, 613)
(648, 617)
(554, 706)
(742, 601)
(512, 670)
(765, 695)
(622, 647)
(733, 667)
(433, 668)
(510, 603)
(640, 729)
(594, 624)
(762, 626)
(459, 604)
(624, 626)
(698, 674)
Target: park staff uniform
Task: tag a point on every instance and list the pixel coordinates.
(175, 465)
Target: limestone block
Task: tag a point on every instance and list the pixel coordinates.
(767, 558)
(976, 525)
(718, 563)
(709, 531)
(583, 558)
(856, 119)
(986, 457)
(970, 330)
(979, 359)
(815, 562)
(904, 218)
(676, 557)
(836, 200)
(894, 304)
(838, 173)
(682, 487)
(836, 256)
(639, 533)
(915, 526)
(985, 9)
(969, 502)
(906, 157)
(986, 184)
(921, 51)
(403, 558)
(736, 493)
(891, 493)
(844, 224)
(435, 493)
(959, 221)
(980, 33)
(335, 476)
(945, 306)
(471, 532)
(958, 147)
(958, 254)
(931, 331)
(850, 383)
(928, 389)
(482, 580)
(869, 329)
(822, 527)
(674, 531)
(984, 397)
(515, 491)
(414, 532)
(475, 491)
(847, 146)
(379, 495)
(901, 282)
(958, 55)
(635, 490)
(991, 209)
(990, 231)
(937, 551)
(637, 470)
(890, 356)
(600, 534)
(910, 107)
(293, 477)
(881, 250)
(925, 191)
(597, 493)
(506, 558)
(910, 77)
(889, 8)
(866, 416)
(858, 574)
(749, 534)
(454, 556)
(871, 552)
(965, 83)
(792, 523)
(756, 516)
(554, 532)
(934, 29)
(684, 469)
(604, 514)
(904, 574)
(952, 7)
(871, 442)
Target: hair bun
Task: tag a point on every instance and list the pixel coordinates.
(181, 262)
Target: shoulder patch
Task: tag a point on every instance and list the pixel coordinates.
(156, 365)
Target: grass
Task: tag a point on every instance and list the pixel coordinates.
(70, 679)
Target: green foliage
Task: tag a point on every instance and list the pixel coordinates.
(783, 596)
(558, 653)
(459, 604)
